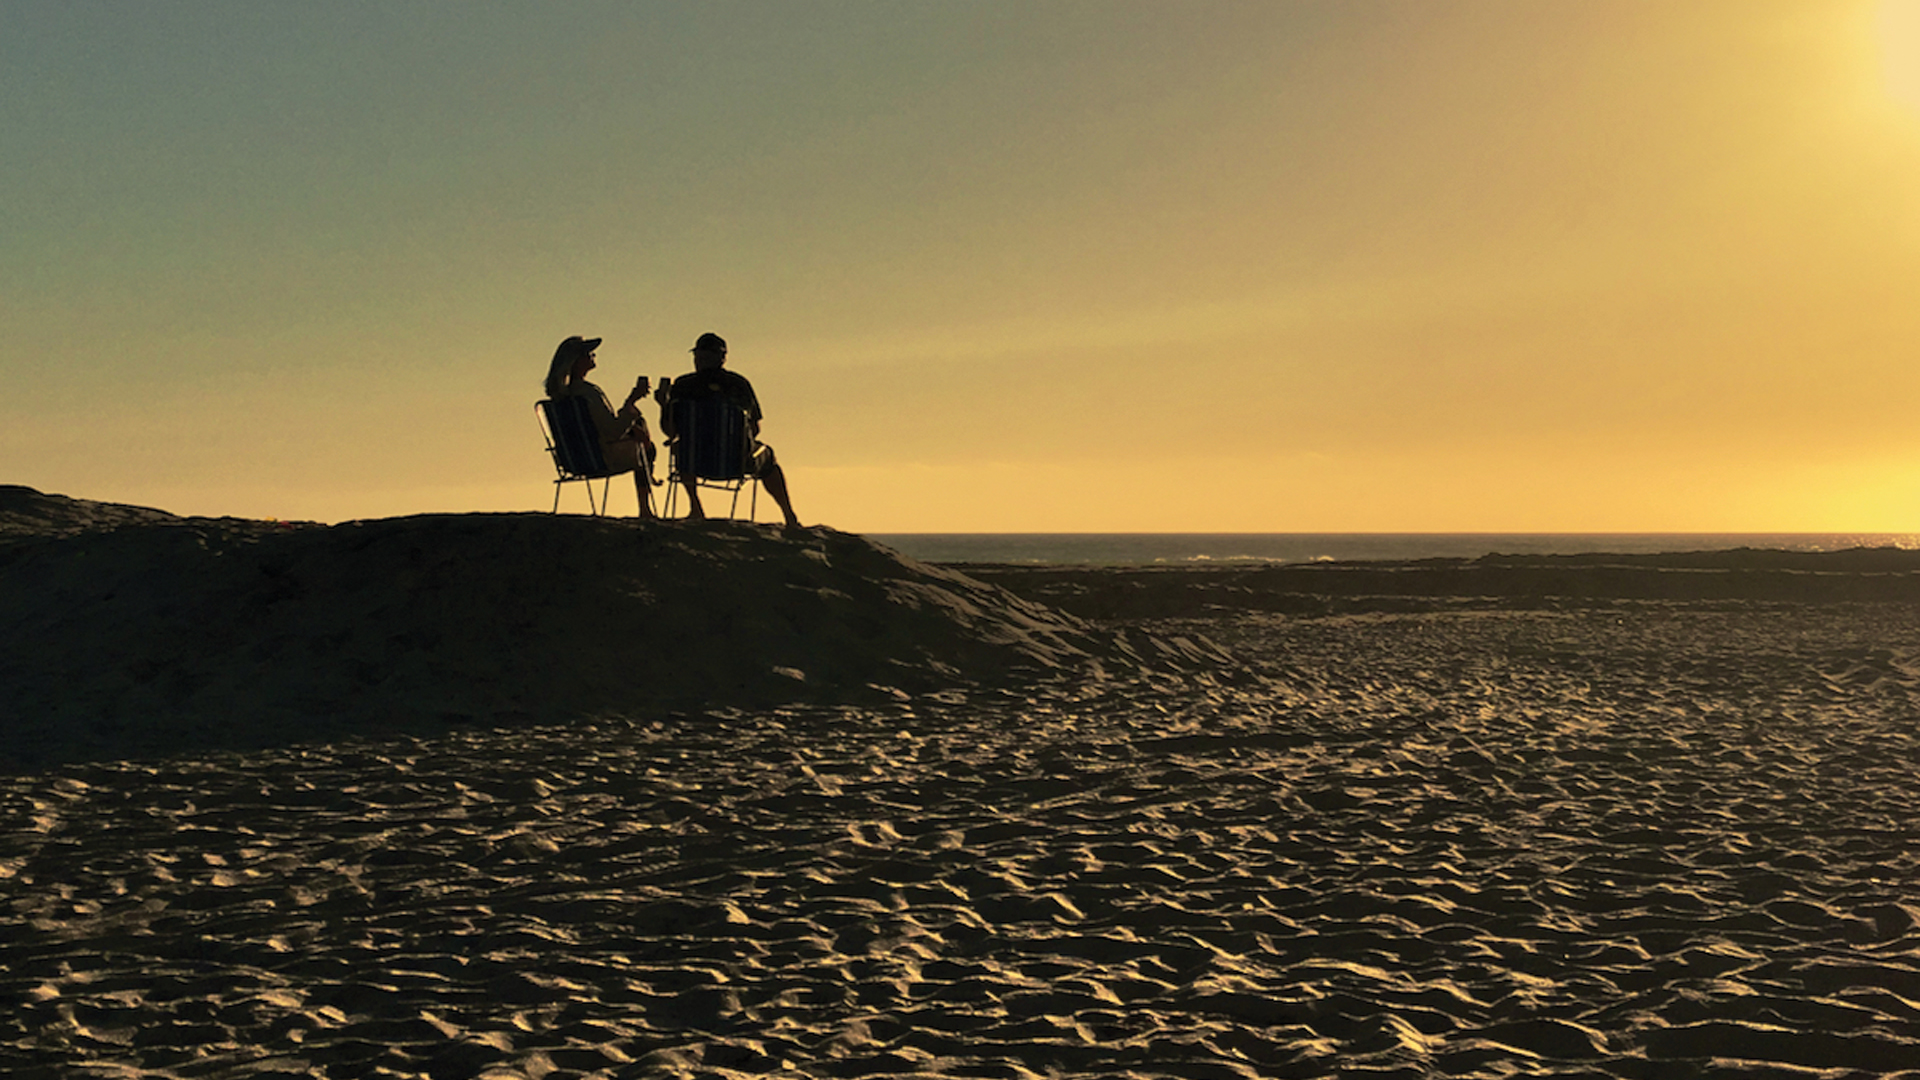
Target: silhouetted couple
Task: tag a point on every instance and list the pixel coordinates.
(627, 443)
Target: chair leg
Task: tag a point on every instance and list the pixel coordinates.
(753, 501)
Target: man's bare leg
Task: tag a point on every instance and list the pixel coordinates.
(694, 512)
(776, 483)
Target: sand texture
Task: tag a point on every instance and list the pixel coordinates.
(1511, 837)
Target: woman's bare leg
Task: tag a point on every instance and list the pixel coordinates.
(626, 455)
(643, 489)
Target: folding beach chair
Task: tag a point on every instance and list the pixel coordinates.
(575, 447)
(712, 443)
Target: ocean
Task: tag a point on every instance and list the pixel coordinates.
(1135, 549)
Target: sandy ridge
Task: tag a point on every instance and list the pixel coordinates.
(125, 632)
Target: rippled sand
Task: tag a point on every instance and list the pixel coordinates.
(1647, 840)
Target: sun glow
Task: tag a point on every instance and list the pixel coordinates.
(1899, 26)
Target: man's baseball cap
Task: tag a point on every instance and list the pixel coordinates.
(710, 341)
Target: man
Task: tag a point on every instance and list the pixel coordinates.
(710, 379)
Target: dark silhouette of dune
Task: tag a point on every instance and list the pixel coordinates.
(26, 514)
(130, 631)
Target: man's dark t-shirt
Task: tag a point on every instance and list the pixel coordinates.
(698, 385)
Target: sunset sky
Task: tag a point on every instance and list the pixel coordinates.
(1030, 265)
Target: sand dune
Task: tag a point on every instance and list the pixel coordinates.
(1479, 839)
(129, 631)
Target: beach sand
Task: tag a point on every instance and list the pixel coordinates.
(1456, 830)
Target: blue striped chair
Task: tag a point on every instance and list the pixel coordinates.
(713, 445)
(575, 447)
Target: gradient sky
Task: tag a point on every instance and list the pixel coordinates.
(999, 266)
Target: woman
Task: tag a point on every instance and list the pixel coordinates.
(625, 442)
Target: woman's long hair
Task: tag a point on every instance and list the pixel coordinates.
(562, 366)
